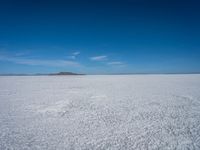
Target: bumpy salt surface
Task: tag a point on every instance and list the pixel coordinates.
(100, 112)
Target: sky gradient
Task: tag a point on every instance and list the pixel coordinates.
(100, 37)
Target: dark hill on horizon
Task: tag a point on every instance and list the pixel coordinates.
(65, 73)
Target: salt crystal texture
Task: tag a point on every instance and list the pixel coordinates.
(100, 112)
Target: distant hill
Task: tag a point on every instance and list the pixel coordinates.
(65, 73)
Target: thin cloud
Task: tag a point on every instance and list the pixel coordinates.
(116, 63)
(20, 54)
(99, 58)
(74, 55)
(39, 62)
(71, 57)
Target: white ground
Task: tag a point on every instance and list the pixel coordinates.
(100, 112)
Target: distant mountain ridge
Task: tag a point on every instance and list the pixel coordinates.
(65, 73)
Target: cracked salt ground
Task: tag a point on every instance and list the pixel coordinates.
(100, 112)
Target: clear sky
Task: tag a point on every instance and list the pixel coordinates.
(100, 36)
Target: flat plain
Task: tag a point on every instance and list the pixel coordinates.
(100, 112)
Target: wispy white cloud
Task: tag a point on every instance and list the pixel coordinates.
(116, 63)
(24, 53)
(99, 58)
(39, 62)
(71, 57)
(74, 55)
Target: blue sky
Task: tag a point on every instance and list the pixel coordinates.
(129, 36)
